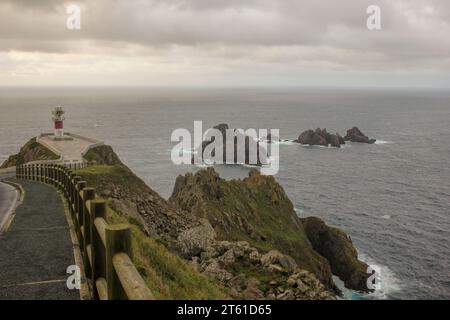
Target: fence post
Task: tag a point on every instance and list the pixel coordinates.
(73, 207)
(46, 170)
(118, 239)
(79, 204)
(98, 210)
(88, 195)
(40, 175)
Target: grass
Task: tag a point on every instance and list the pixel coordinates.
(167, 275)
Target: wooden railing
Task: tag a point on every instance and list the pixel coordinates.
(106, 249)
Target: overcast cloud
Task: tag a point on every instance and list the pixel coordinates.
(225, 42)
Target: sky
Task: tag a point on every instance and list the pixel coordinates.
(225, 43)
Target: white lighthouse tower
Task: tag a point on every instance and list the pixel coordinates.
(58, 120)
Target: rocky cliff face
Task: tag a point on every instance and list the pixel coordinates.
(31, 151)
(258, 211)
(338, 249)
(244, 234)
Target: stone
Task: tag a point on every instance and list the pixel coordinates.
(355, 135)
(196, 240)
(276, 257)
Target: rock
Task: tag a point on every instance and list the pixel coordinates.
(338, 249)
(355, 135)
(260, 200)
(287, 295)
(319, 137)
(341, 139)
(255, 257)
(214, 270)
(252, 292)
(253, 159)
(275, 257)
(31, 151)
(194, 241)
(275, 268)
(334, 141)
(227, 258)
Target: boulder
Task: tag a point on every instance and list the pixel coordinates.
(275, 257)
(194, 241)
(355, 135)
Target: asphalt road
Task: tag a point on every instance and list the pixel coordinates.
(36, 250)
(8, 198)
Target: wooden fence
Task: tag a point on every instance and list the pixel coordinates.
(106, 249)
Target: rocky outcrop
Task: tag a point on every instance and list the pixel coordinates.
(31, 151)
(337, 248)
(248, 274)
(130, 196)
(355, 135)
(243, 233)
(250, 153)
(320, 137)
(103, 155)
(258, 211)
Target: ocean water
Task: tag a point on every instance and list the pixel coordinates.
(392, 198)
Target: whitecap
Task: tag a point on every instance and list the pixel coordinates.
(383, 142)
(386, 283)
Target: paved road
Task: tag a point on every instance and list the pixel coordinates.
(36, 249)
(8, 198)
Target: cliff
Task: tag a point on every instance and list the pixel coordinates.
(257, 210)
(31, 151)
(236, 268)
(243, 235)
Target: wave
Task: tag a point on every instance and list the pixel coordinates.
(385, 285)
(383, 142)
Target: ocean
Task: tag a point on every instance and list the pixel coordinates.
(392, 198)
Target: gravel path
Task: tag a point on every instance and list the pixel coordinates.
(36, 249)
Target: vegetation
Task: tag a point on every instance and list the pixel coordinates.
(31, 151)
(166, 274)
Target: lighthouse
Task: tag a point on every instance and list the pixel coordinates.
(58, 120)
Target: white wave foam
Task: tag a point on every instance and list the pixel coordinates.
(386, 281)
(383, 142)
